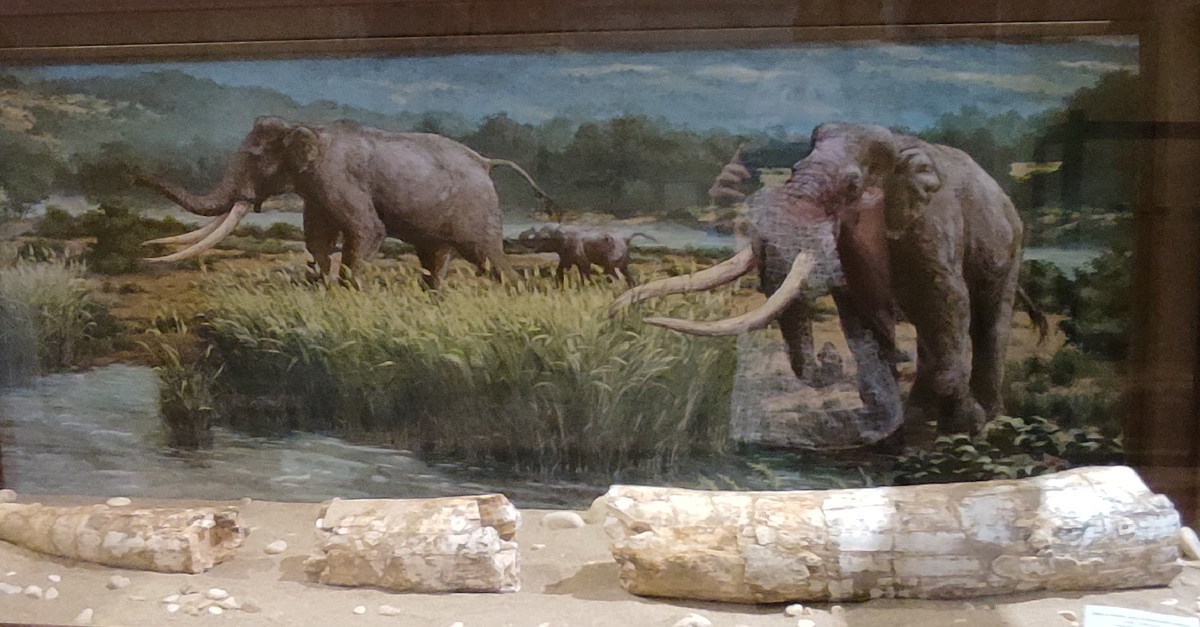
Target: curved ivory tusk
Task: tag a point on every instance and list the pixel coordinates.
(725, 272)
(752, 320)
(190, 237)
(228, 224)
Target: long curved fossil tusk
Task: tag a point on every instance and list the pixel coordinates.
(725, 272)
(190, 237)
(752, 320)
(228, 224)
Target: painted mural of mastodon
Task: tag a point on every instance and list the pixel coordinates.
(886, 223)
(360, 184)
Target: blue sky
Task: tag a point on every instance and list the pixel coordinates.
(793, 88)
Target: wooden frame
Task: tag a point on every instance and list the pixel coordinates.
(1163, 433)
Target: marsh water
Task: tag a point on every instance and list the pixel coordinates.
(98, 433)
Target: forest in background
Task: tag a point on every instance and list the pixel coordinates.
(82, 136)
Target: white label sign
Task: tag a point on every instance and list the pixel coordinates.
(1105, 616)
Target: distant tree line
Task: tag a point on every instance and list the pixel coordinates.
(184, 128)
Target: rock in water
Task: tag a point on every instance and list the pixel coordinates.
(361, 609)
(387, 610)
(33, 592)
(216, 594)
(563, 520)
(275, 548)
(1189, 543)
(118, 501)
(84, 617)
(51, 593)
(117, 582)
(8, 588)
(693, 620)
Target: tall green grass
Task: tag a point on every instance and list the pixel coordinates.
(48, 319)
(528, 374)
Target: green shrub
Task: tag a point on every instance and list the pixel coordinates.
(58, 224)
(285, 231)
(1008, 448)
(529, 374)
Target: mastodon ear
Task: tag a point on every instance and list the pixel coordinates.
(300, 147)
(919, 169)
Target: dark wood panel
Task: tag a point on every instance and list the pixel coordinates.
(629, 40)
(84, 23)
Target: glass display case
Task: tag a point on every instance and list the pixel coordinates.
(598, 303)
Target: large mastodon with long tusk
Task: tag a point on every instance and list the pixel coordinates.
(881, 221)
(359, 184)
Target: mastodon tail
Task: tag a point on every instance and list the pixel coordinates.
(630, 238)
(551, 207)
(1035, 315)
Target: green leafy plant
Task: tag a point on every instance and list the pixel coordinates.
(1008, 448)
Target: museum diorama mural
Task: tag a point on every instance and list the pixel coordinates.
(807, 266)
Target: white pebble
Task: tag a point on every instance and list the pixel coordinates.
(1189, 543)
(172, 607)
(536, 547)
(1171, 602)
(247, 500)
(320, 523)
(8, 496)
(361, 609)
(217, 594)
(1069, 615)
(10, 573)
(171, 598)
(275, 548)
(563, 520)
(54, 578)
(215, 610)
(794, 610)
(387, 610)
(33, 592)
(51, 594)
(806, 622)
(116, 582)
(8, 588)
(118, 501)
(456, 624)
(84, 617)
(693, 620)
(136, 597)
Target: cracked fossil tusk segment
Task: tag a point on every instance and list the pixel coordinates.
(190, 237)
(228, 224)
(725, 272)
(752, 320)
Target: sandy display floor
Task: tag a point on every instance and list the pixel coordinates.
(568, 579)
